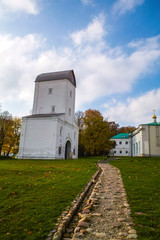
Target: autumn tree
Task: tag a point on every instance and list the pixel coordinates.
(9, 133)
(127, 129)
(95, 134)
(113, 128)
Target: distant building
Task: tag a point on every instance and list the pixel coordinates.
(51, 132)
(123, 145)
(145, 140)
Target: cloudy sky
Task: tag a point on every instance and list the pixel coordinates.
(113, 46)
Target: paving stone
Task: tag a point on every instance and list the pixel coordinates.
(132, 231)
(83, 224)
(97, 214)
(132, 236)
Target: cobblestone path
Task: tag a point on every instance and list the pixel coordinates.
(109, 217)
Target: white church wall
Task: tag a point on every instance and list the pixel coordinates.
(145, 140)
(50, 94)
(55, 97)
(66, 132)
(40, 141)
(122, 147)
(155, 140)
(137, 143)
(70, 104)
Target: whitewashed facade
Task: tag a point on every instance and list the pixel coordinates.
(122, 145)
(145, 140)
(51, 132)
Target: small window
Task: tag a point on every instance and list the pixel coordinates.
(126, 151)
(53, 109)
(120, 151)
(114, 151)
(59, 150)
(70, 93)
(74, 151)
(126, 142)
(61, 128)
(50, 90)
(69, 111)
(74, 135)
(120, 142)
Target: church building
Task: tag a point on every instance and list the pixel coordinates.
(145, 140)
(51, 131)
(122, 145)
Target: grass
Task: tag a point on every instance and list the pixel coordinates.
(34, 193)
(141, 177)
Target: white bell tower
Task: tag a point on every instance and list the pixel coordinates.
(51, 131)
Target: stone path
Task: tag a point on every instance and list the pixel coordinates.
(106, 214)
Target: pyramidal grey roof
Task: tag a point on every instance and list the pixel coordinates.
(69, 74)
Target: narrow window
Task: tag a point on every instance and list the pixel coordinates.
(126, 151)
(74, 151)
(120, 142)
(61, 128)
(50, 90)
(114, 151)
(70, 93)
(69, 111)
(74, 135)
(53, 109)
(120, 151)
(59, 150)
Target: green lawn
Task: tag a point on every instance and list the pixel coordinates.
(33, 193)
(141, 177)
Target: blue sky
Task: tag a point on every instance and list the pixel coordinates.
(112, 45)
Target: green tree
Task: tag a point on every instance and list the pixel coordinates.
(95, 134)
(9, 133)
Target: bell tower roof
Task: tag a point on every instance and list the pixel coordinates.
(69, 74)
(154, 117)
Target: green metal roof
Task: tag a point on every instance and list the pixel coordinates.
(153, 124)
(121, 136)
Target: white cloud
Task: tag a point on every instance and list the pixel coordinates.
(92, 34)
(123, 6)
(135, 111)
(87, 2)
(100, 70)
(13, 6)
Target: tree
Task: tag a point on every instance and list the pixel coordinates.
(5, 121)
(79, 115)
(128, 129)
(113, 128)
(9, 133)
(95, 134)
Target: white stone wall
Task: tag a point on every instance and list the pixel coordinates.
(122, 147)
(146, 141)
(44, 136)
(155, 140)
(38, 138)
(61, 98)
(138, 142)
